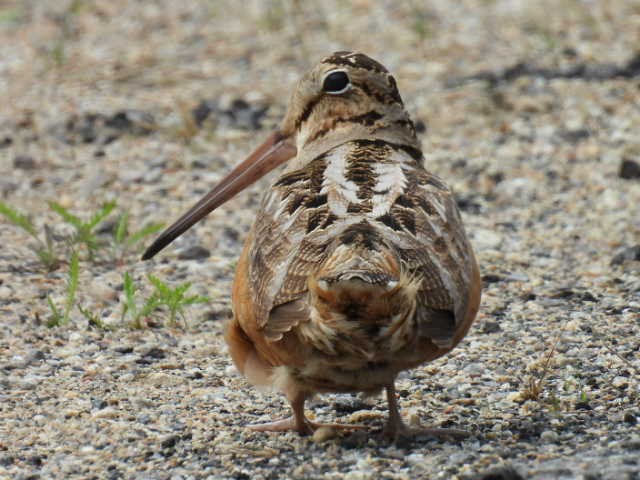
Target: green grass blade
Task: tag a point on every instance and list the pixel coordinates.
(163, 290)
(92, 318)
(48, 258)
(18, 219)
(148, 229)
(121, 229)
(195, 299)
(56, 316)
(72, 286)
(130, 294)
(100, 215)
(150, 305)
(66, 215)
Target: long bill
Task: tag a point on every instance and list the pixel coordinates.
(275, 150)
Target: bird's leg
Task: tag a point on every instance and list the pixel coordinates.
(298, 421)
(397, 430)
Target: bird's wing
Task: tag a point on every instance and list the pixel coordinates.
(427, 233)
(287, 247)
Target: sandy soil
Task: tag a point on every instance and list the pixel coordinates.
(531, 111)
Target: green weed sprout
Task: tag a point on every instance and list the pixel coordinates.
(130, 307)
(174, 299)
(85, 233)
(124, 240)
(61, 317)
(45, 250)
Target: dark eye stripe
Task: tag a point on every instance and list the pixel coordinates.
(307, 111)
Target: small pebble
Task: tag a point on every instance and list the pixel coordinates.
(629, 254)
(549, 436)
(24, 162)
(629, 169)
(5, 292)
(323, 434)
(195, 252)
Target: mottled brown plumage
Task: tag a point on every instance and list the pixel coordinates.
(357, 266)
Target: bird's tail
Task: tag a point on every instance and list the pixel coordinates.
(362, 284)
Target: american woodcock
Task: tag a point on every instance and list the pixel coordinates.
(357, 266)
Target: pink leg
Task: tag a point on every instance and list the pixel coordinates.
(298, 421)
(396, 429)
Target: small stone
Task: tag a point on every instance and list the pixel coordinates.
(583, 405)
(549, 436)
(35, 356)
(501, 473)
(108, 412)
(199, 164)
(491, 278)
(416, 459)
(620, 382)
(629, 169)
(98, 403)
(100, 290)
(357, 475)
(24, 162)
(630, 254)
(414, 419)
(5, 292)
(195, 252)
(160, 379)
(491, 327)
(514, 397)
(575, 135)
(629, 418)
(203, 110)
(155, 352)
(124, 349)
(170, 441)
(323, 434)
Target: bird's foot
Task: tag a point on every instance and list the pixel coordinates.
(400, 433)
(303, 427)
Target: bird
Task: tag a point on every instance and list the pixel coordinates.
(357, 266)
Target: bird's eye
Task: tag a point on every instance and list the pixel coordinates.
(336, 82)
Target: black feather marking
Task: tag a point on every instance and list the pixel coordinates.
(375, 94)
(363, 234)
(360, 207)
(296, 202)
(426, 206)
(413, 152)
(367, 119)
(404, 201)
(355, 60)
(395, 93)
(440, 245)
(406, 217)
(315, 217)
(390, 222)
(315, 201)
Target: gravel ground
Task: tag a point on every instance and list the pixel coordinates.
(531, 111)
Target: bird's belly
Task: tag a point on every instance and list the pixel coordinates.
(356, 372)
(321, 377)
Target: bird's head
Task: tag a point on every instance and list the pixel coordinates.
(346, 96)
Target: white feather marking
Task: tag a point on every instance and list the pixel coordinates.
(391, 181)
(439, 207)
(335, 185)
